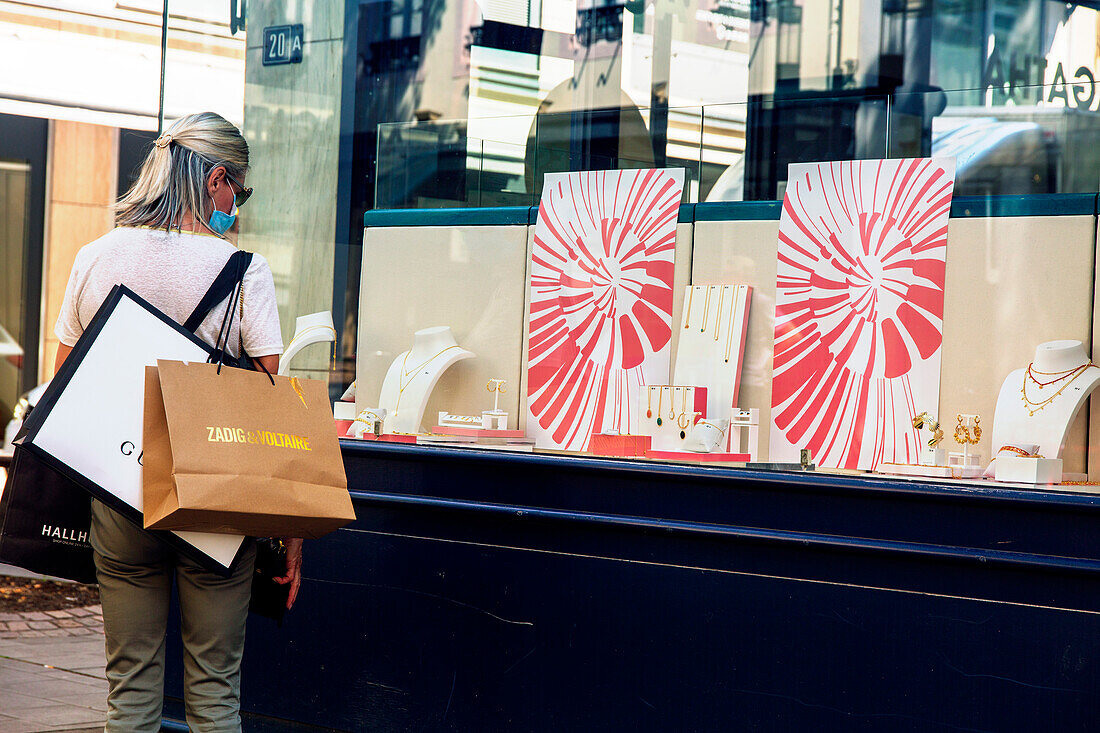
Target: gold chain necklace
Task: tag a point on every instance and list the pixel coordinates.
(1028, 404)
(402, 384)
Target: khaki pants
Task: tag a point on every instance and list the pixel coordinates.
(135, 574)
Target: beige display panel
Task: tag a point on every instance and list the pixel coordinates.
(469, 278)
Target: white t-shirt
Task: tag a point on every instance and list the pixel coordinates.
(172, 271)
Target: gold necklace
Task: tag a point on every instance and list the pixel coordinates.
(1028, 404)
(683, 421)
(660, 401)
(706, 310)
(402, 384)
(316, 327)
(1063, 375)
(671, 406)
(721, 299)
(735, 310)
(687, 315)
(648, 402)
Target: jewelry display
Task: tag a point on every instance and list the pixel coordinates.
(706, 312)
(448, 420)
(721, 298)
(412, 377)
(744, 432)
(925, 420)
(368, 420)
(314, 328)
(683, 421)
(496, 418)
(405, 378)
(1039, 402)
(711, 345)
(1069, 376)
(968, 432)
(707, 436)
(1018, 451)
(670, 423)
(736, 317)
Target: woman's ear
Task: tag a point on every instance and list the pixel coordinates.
(215, 179)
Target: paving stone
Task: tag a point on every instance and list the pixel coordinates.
(81, 631)
(56, 632)
(90, 621)
(78, 612)
(42, 625)
(67, 623)
(95, 609)
(35, 616)
(30, 634)
(10, 617)
(17, 626)
(58, 614)
(9, 634)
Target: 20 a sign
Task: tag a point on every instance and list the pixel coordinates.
(283, 44)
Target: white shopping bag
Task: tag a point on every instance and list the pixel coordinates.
(88, 424)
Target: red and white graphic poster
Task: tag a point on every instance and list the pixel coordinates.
(859, 309)
(601, 300)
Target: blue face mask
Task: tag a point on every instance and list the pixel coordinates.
(221, 221)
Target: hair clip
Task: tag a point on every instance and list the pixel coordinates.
(163, 141)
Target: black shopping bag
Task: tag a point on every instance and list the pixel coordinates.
(44, 520)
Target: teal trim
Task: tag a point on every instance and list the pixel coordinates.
(1047, 204)
(1043, 204)
(738, 211)
(469, 217)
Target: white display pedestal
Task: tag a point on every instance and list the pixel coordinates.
(1020, 470)
(414, 374)
(1016, 422)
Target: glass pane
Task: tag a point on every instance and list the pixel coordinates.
(14, 191)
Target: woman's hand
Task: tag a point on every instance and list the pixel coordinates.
(293, 569)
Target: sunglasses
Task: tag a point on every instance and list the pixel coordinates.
(240, 196)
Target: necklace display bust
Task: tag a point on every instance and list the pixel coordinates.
(1037, 404)
(413, 375)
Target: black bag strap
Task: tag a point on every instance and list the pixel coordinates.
(224, 285)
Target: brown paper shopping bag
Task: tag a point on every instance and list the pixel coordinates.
(230, 452)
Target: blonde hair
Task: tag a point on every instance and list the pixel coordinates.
(172, 181)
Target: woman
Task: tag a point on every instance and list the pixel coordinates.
(169, 243)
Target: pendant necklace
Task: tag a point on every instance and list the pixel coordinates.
(403, 384)
(1070, 378)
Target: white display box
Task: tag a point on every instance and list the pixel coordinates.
(1020, 470)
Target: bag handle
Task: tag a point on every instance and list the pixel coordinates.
(222, 342)
(224, 285)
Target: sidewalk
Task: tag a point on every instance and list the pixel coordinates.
(51, 671)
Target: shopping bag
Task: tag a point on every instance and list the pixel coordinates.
(45, 519)
(228, 450)
(88, 424)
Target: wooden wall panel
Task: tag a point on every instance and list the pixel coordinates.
(83, 165)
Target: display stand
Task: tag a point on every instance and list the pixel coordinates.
(414, 374)
(712, 342)
(316, 328)
(1037, 404)
(744, 432)
(667, 412)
